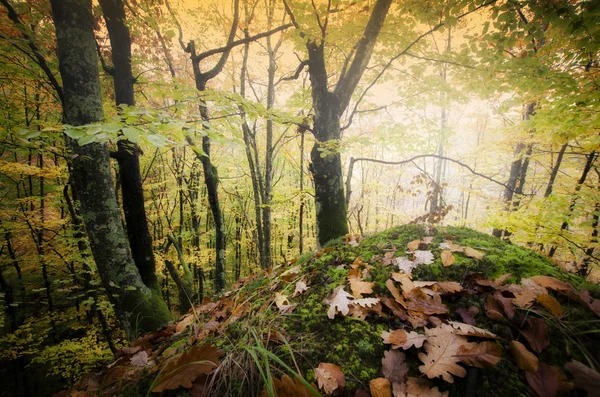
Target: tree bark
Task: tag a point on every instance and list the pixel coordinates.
(128, 153)
(326, 167)
(138, 308)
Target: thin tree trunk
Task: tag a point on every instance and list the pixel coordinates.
(565, 225)
(128, 152)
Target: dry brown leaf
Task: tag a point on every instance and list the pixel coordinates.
(397, 337)
(181, 325)
(447, 287)
(396, 309)
(526, 360)
(440, 358)
(480, 355)
(286, 387)
(405, 265)
(506, 304)
(380, 387)
(360, 287)
(423, 257)
(183, 369)
(339, 302)
(525, 297)
(447, 258)
(405, 282)
(365, 302)
(416, 387)
(325, 380)
(467, 315)
(535, 330)
(473, 253)
(394, 366)
(471, 330)
(419, 301)
(551, 304)
(301, 287)
(544, 382)
(585, 378)
(414, 245)
(395, 293)
(337, 374)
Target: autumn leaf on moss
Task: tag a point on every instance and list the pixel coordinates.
(360, 287)
(535, 330)
(394, 367)
(423, 257)
(447, 258)
(330, 378)
(526, 360)
(183, 369)
(405, 265)
(467, 315)
(473, 253)
(471, 330)
(339, 302)
(544, 382)
(480, 355)
(380, 387)
(301, 287)
(417, 387)
(286, 387)
(440, 357)
(551, 304)
(585, 378)
(182, 324)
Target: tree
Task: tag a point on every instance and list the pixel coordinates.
(128, 152)
(139, 308)
(328, 108)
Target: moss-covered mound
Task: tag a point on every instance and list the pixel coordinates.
(290, 320)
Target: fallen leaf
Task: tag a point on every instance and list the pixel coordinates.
(526, 360)
(365, 302)
(440, 358)
(188, 319)
(360, 287)
(395, 293)
(447, 258)
(585, 378)
(380, 387)
(558, 286)
(405, 281)
(325, 380)
(406, 265)
(473, 253)
(525, 297)
(467, 316)
(414, 245)
(471, 330)
(339, 302)
(140, 359)
(423, 257)
(394, 366)
(480, 355)
(337, 374)
(535, 330)
(397, 337)
(544, 382)
(551, 304)
(396, 309)
(183, 369)
(417, 387)
(506, 303)
(301, 287)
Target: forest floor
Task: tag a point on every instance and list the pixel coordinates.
(413, 311)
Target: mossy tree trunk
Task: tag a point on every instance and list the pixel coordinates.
(138, 308)
(328, 107)
(128, 152)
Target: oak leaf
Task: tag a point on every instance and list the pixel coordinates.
(414, 245)
(286, 387)
(326, 372)
(360, 287)
(471, 330)
(480, 355)
(441, 349)
(526, 360)
(394, 366)
(423, 257)
(183, 369)
(405, 265)
(467, 315)
(417, 387)
(301, 287)
(339, 302)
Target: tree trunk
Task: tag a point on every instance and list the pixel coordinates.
(128, 153)
(138, 308)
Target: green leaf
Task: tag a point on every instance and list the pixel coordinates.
(132, 133)
(157, 140)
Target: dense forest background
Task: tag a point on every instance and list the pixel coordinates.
(154, 152)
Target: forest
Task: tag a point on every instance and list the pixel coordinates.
(291, 198)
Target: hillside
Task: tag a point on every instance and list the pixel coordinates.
(478, 317)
